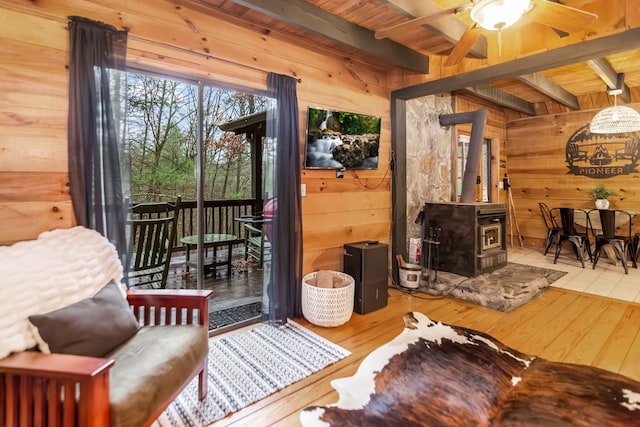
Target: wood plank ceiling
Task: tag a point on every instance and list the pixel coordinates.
(576, 81)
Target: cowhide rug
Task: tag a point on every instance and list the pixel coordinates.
(433, 374)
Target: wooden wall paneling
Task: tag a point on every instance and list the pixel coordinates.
(337, 202)
(229, 39)
(585, 102)
(33, 112)
(28, 186)
(9, 100)
(18, 118)
(325, 94)
(322, 259)
(23, 221)
(541, 108)
(539, 172)
(163, 59)
(332, 219)
(213, 47)
(40, 81)
(33, 152)
(327, 183)
(321, 220)
(344, 233)
(34, 29)
(191, 30)
(513, 115)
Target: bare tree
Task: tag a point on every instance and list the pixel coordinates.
(163, 131)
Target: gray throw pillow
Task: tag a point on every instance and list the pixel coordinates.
(91, 327)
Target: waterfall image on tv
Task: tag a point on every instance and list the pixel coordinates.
(341, 140)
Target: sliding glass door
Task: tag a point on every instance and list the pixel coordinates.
(205, 144)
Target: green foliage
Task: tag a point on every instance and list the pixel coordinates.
(315, 117)
(349, 123)
(358, 124)
(237, 195)
(601, 192)
(162, 129)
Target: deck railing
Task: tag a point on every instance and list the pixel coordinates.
(219, 218)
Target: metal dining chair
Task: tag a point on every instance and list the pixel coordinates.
(579, 238)
(550, 222)
(615, 230)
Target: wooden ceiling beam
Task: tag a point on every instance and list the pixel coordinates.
(603, 68)
(554, 58)
(500, 97)
(316, 20)
(543, 84)
(448, 27)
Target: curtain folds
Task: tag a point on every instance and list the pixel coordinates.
(282, 184)
(99, 171)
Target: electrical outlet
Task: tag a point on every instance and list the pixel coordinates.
(500, 185)
(303, 190)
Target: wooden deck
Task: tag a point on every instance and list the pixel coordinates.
(560, 325)
(244, 286)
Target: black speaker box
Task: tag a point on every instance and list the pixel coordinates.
(367, 263)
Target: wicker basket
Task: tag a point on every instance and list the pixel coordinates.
(327, 306)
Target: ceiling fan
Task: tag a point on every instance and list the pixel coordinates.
(496, 15)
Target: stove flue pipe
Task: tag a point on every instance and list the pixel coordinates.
(478, 120)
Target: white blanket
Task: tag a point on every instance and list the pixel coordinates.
(57, 269)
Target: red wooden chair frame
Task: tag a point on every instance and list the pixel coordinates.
(35, 387)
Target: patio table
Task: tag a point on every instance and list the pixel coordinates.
(210, 240)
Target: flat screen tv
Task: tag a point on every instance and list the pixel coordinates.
(341, 140)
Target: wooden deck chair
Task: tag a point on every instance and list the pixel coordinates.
(254, 243)
(154, 235)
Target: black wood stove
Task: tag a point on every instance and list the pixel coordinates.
(472, 236)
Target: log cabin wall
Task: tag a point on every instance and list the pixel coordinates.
(539, 172)
(180, 41)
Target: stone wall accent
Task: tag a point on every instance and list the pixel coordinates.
(429, 156)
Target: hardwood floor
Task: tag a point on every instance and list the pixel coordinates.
(576, 321)
(560, 325)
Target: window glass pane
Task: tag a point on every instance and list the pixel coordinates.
(165, 120)
(483, 192)
(161, 121)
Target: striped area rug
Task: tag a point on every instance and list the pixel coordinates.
(248, 366)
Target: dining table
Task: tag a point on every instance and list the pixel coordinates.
(215, 241)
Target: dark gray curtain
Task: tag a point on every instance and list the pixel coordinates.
(283, 153)
(98, 176)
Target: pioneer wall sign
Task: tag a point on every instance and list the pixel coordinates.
(602, 156)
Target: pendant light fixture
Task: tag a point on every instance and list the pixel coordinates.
(616, 119)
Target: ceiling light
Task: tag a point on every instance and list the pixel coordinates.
(616, 119)
(494, 15)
